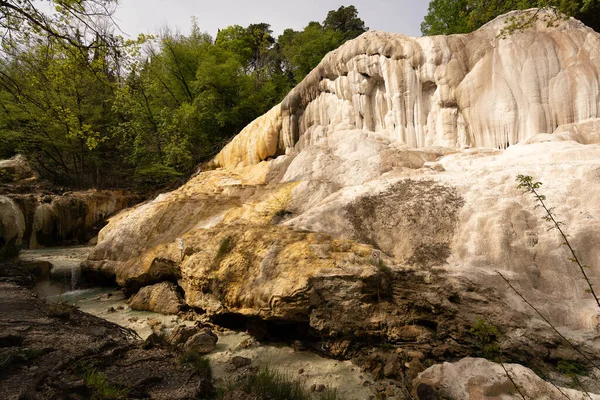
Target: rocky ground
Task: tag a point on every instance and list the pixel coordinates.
(54, 351)
(235, 356)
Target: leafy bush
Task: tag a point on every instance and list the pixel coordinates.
(487, 336)
(200, 363)
(571, 368)
(225, 247)
(6, 176)
(60, 309)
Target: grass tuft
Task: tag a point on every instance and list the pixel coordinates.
(201, 364)
(60, 309)
(269, 384)
(101, 388)
(202, 368)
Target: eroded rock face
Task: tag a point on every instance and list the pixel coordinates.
(71, 218)
(53, 217)
(475, 90)
(290, 239)
(269, 272)
(301, 251)
(478, 378)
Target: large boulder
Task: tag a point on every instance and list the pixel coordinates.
(199, 339)
(478, 378)
(181, 333)
(161, 298)
(202, 342)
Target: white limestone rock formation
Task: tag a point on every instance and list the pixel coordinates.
(585, 132)
(397, 144)
(70, 218)
(51, 219)
(73, 217)
(473, 90)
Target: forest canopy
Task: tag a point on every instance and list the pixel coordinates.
(446, 17)
(91, 109)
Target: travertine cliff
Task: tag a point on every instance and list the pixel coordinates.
(474, 90)
(44, 220)
(399, 145)
(35, 213)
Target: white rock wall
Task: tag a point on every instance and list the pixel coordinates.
(473, 90)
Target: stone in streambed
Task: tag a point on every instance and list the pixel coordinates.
(202, 342)
(181, 334)
(161, 298)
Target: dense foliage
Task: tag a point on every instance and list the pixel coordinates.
(89, 108)
(446, 17)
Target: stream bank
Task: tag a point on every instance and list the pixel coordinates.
(61, 284)
(54, 351)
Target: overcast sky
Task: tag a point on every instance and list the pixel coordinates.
(146, 16)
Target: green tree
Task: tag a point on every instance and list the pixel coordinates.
(255, 49)
(89, 108)
(58, 71)
(301, 51)
(446, 17)
(71, 19)
(182, 103)
(228, 97)
(57, 108)
(156, 128)
(346, 21)
(304, 50)
(236, 39)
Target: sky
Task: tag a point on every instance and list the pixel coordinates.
(147, 16)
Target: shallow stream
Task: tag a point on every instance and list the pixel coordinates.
(111, 304)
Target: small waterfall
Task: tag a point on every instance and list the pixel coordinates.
(75, 276)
